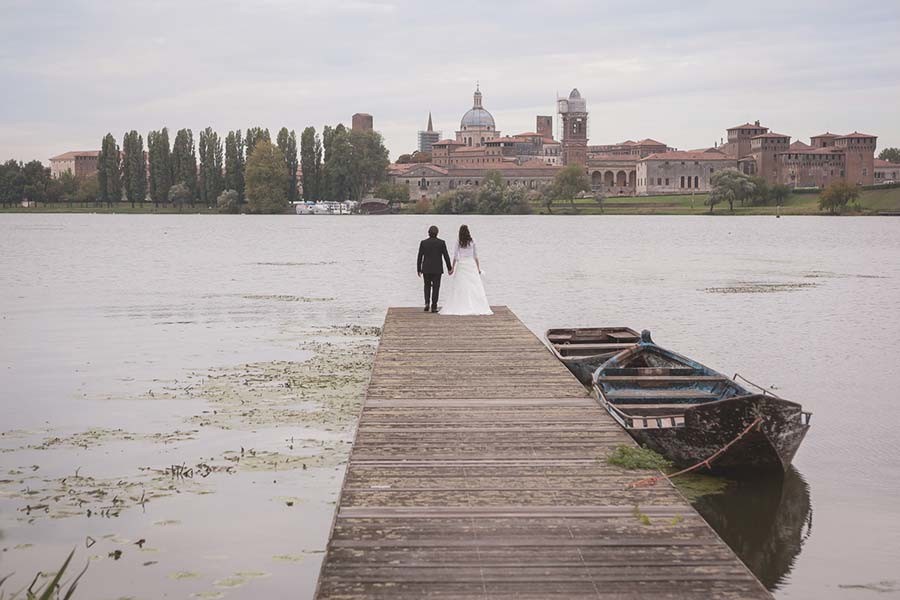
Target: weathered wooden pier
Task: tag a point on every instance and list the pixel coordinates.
(479, 471)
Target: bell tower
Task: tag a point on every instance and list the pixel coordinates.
(573, 111)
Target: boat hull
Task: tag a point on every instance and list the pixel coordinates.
(709, 427)
(583, 367)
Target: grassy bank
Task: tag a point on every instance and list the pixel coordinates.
(870, 202)
(124, 208)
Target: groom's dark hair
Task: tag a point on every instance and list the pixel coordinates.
(432, 231)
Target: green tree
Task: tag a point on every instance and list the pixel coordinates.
(456, 202)
(229, 202)
(37, 181)
(566, 185)
(718, 195)
(134, 167)
(211, 182)
(234, 163)
(255, 135)
(394, 193)
(311, 164)
(779, 193)
(109, 171)
(328, 134)
(184, 162)
(179, 195)
(490, 193)
(67, 187)
(495, 197)
(338, 166)
(761, 193)
(415, 157)
(287, 143)
(890, 155)
(12, 183)
(369, 160)
(88, 190)
(837, 196)
(266, 179)
(729, 185)
(160, 159)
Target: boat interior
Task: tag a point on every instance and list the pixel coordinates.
(652, 381)
(591, 341)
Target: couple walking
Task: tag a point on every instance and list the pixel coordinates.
(465, 294)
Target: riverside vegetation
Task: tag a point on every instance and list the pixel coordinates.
(245, 173)
(345, 164)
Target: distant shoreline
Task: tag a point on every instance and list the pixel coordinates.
(872, 202)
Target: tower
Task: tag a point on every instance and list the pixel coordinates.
(361, 122)
(573, 111)
(545, 126)
(428, 137)
(859, 157)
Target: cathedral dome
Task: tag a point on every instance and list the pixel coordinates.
(477, 116)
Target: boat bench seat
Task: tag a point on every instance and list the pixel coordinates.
(646, 410)
(651, 371)
(661, 378)
(593, 346)
(657, 395)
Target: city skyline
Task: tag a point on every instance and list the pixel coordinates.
(75, 72)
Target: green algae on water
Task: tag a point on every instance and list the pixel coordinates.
(634, 458)
(696, 485)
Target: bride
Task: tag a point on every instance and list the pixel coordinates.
(466, 290)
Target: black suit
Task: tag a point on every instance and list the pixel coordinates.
(429, 265)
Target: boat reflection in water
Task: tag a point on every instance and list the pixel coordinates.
(765, 520)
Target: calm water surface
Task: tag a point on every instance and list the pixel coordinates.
(97, 309)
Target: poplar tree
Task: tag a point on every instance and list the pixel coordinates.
(109, 171)
(184, 162)
(234, 163)
(253, 137)
(287, 143)
(267, 179)
(210, 149)
(160, 155)
(311, 164)
(134, 167)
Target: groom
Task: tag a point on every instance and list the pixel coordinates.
(429, 266)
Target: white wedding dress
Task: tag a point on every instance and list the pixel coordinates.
(465, 290)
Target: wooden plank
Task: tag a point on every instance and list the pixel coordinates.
(478, 471)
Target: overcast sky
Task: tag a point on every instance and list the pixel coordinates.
(677, 71)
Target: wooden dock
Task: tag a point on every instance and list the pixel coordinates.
(479, 471)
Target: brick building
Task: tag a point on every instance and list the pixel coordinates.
(645, 167)
(80, 163)
(886, 172)
(828, 157)
(362, 122)
(680, 172)
(427, 180)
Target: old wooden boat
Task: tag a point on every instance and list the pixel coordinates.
(584, 349)
(687, 412)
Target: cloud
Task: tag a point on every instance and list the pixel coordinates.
(673, 71)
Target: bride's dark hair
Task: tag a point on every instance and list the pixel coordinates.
(465, 238)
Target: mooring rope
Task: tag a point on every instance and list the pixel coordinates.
(648, 481)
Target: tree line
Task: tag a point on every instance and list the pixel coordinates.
(730, 186)
(244, 172)
(494, 196)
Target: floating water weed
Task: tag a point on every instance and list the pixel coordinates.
(634, 458)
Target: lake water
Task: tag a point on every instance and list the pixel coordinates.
(132, 344)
